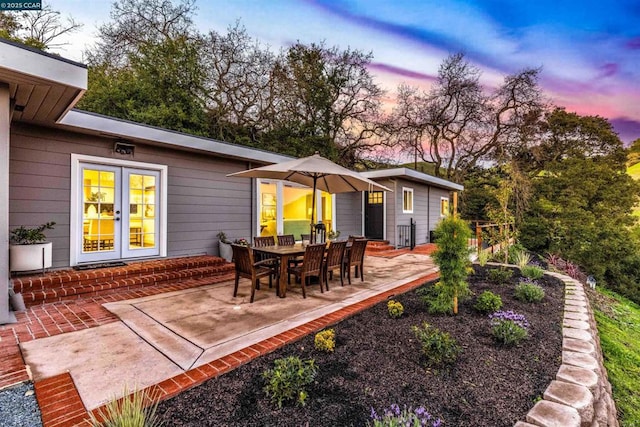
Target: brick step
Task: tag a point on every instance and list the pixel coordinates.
(74, 291)
(69, 277)
(376, 246)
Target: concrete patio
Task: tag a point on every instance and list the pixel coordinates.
(172, 341)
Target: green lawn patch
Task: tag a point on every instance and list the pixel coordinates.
(634, 172)
(618, 319)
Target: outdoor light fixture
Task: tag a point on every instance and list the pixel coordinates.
(124, 148)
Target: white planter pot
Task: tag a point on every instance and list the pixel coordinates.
(225, 251)
(30, 257)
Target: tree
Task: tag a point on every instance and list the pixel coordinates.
(581, 209)
(502, 215)
(41, 29)
(456, 124)
(327, 99)
(239, 95)
(452, 258)
(137, 23)
(147, 68)
(561, 135)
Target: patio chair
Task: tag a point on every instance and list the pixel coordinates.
(248, 268)
(289, 240)
(286, 240)
(264, 241)
(306, 237)
(311, 266)
(272, 263)
(355, 258)
(333, 260)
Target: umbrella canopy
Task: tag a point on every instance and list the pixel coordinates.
(316, 172)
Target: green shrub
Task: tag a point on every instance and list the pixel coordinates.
(488, 302)
(395, 309)
(500, 275)
(508, 327)
(288, 379)
(483, 257)
(437, 300)
(452, 257)
(130, 411)
(532, 272)
(438, 347)
(325, 340)
(529, 292)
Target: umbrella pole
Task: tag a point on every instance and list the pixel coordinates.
(313, 210)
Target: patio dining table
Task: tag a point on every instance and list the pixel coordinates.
(284, 253)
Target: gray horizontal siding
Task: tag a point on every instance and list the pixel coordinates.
(202, 201)
(349, 214)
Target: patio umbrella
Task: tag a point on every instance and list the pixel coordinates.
(316, 172)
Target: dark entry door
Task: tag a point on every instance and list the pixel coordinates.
(374, 214)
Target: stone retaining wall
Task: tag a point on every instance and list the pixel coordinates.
(580, 395)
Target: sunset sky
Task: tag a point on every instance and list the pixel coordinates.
(589, 51)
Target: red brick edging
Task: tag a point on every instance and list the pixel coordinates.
(60, 402)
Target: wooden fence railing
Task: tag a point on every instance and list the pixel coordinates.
(482, 231)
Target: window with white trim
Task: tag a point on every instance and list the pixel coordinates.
(407, 200)
(444, 206)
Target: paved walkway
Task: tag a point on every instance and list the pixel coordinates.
(173, 333)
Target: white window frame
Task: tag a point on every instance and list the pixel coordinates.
(404, 208)
(280, 204)
(445, 214)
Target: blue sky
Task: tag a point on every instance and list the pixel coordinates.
(589, 51)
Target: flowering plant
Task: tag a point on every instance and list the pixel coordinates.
(241, 242)
(395, 308)
(407, 417)
(511, 315)
(509, 327)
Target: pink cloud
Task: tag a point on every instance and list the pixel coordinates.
(399, 71)
(634, 43)
(608, 70)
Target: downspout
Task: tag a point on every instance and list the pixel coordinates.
(429, 214)
(395, 213)
(5, 119)
(253, 191)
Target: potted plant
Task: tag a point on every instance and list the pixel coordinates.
(28, 249)
(224, 245)
(333, 235)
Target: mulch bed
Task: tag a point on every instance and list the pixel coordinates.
(378, 362)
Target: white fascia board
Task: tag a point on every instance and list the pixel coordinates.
(126, 129)
(414, 176)
(39, 65)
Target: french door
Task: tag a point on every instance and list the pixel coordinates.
(119, 212)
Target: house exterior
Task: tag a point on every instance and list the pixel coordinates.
(119, 190)
(417, 198)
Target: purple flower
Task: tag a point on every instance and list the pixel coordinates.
(510, 315)
(405, 417)
(395, 409)
(374, 415)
